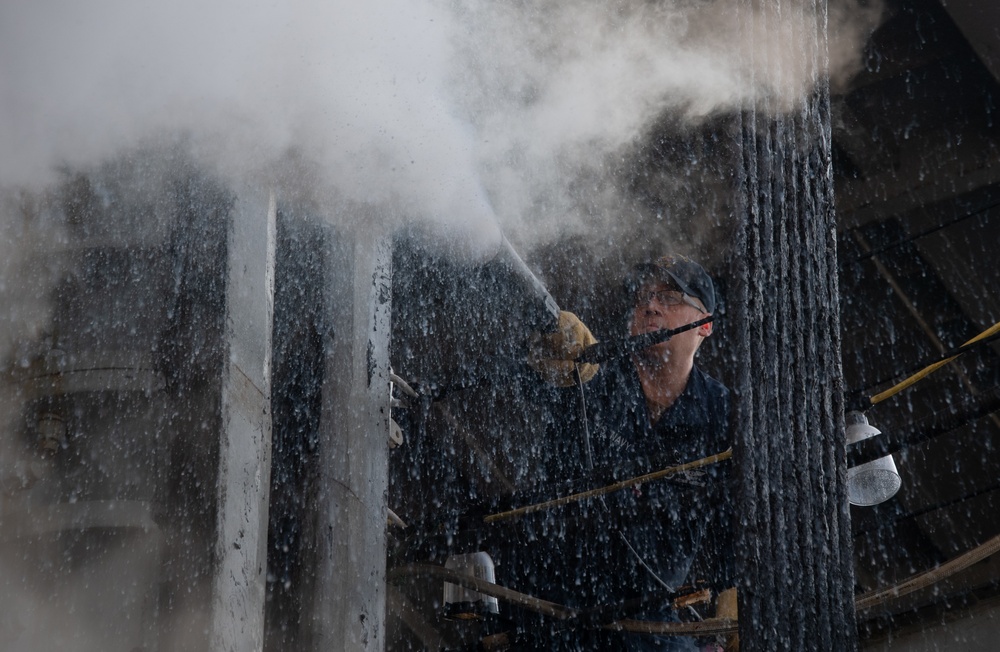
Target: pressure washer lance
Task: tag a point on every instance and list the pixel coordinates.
(610, 349)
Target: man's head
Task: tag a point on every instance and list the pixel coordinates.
(667, 293)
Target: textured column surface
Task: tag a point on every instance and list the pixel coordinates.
(245, 444)
(347, 606)
(794, 536)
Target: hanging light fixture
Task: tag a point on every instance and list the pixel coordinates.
(873, 482)
(465, 604)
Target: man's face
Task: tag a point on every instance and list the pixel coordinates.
(659, 306)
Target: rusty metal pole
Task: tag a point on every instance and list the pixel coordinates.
(794, 536)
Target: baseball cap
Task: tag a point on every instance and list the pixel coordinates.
(689, 277)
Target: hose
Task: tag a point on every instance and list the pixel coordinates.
(872, 599)
(929, 369)
(617, 486)
(403, 385)
(707, 627)
(511, 596)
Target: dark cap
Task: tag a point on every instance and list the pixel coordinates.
(689, 277)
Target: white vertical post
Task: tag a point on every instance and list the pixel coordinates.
(348, 601)
(240, 567)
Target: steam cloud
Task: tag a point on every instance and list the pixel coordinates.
(468, 116)
(465, 115)
(430, 109)
(563, 87)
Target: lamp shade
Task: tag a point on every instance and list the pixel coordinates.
(465, 604)
(873, 482)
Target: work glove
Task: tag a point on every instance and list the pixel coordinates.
(552, 354)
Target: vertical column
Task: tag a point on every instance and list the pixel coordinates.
(245, 446)
(348, 597)
(796, 590)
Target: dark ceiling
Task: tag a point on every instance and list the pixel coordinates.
(916, 144)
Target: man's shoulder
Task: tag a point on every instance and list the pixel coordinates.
(705, 385)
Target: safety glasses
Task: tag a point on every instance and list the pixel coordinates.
(666, 298)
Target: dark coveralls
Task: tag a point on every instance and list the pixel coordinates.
(618, 552)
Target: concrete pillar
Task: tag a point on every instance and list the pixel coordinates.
(347, 609)
(240, 567)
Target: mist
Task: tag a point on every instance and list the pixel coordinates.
(474, 116)
(463, 119)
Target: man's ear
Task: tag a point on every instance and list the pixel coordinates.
(705, 329)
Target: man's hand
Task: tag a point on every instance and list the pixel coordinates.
(552, 354)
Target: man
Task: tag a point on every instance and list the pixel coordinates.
(673, 292)
(639, 413)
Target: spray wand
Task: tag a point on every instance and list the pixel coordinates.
(609, 349)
